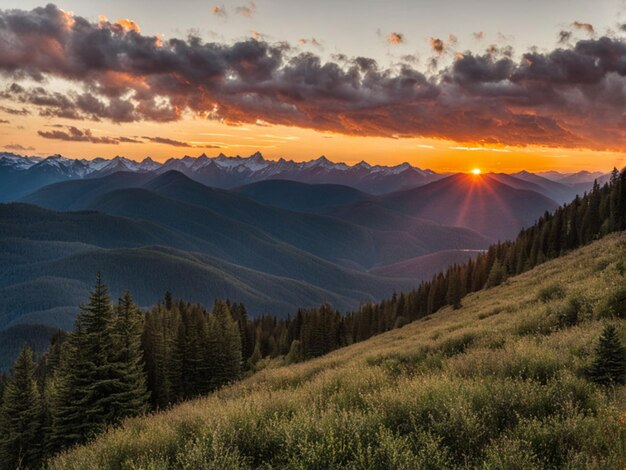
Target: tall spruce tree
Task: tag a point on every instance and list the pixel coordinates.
(609, 365)
(132, 394)
(223, 345)
(455, 290)
(90, 391)
(4, 380)
(21, 429)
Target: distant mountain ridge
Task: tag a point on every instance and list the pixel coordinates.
(22, 175)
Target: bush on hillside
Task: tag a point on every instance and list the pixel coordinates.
(551, 292)
(614, 305)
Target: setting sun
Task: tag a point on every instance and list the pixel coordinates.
(476, 171)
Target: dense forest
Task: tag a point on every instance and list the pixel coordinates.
(120, 362)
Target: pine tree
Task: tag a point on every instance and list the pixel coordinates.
(4, 380)
(454, 295)
(20, 417)
(295, 352)
(130, 369)
(609, 365)
(90, 392)
(256, 354)
(162, 355)
(223, 345)
(496, 275)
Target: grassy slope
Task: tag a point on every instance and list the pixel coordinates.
(496, 384)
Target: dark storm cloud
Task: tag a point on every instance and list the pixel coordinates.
(571, 96)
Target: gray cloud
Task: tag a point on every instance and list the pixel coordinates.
(248, 10)
(73, 134)
(571, 96)
(18, 148)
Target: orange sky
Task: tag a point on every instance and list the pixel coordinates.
(299, 144)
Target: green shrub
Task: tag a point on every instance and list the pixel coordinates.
(539, 323)
(570, 313)
(490, 313)
(614, 305)
(551, 292)
(457, 345)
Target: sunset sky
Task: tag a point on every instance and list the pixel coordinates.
(448, 85)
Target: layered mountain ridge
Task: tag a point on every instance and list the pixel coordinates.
(21, 175)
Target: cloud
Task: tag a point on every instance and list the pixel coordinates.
(14, 111)
(584, 26)
(128, 25)
(18, 148)
(437, 45)
(73, 134)
(564, 37)
(311, 41)
(176, 143)
(247, 10)
(571, 96)
(395, 38)
(219, 10)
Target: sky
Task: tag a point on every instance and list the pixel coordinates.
(447, 85)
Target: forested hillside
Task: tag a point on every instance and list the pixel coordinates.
(117, 362)
(521, 376)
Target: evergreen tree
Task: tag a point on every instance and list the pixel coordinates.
(162, 355)
(295, 352)
(168, 300)
(256, 354)
(20, 417)
(223, 345)
(4, 380)
(90, 392)
(496, 275)
(132, 393)
(609, 365)
(454, 295)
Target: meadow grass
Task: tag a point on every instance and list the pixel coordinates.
(499, 384)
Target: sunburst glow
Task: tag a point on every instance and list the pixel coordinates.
(476, 171)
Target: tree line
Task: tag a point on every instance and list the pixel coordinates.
(119, 362)
(317, 331)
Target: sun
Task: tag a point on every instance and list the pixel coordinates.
(476, 171)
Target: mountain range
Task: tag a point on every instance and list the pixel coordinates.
(21, 175)
(275, 235)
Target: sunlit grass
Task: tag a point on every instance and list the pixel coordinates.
(499, 383)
